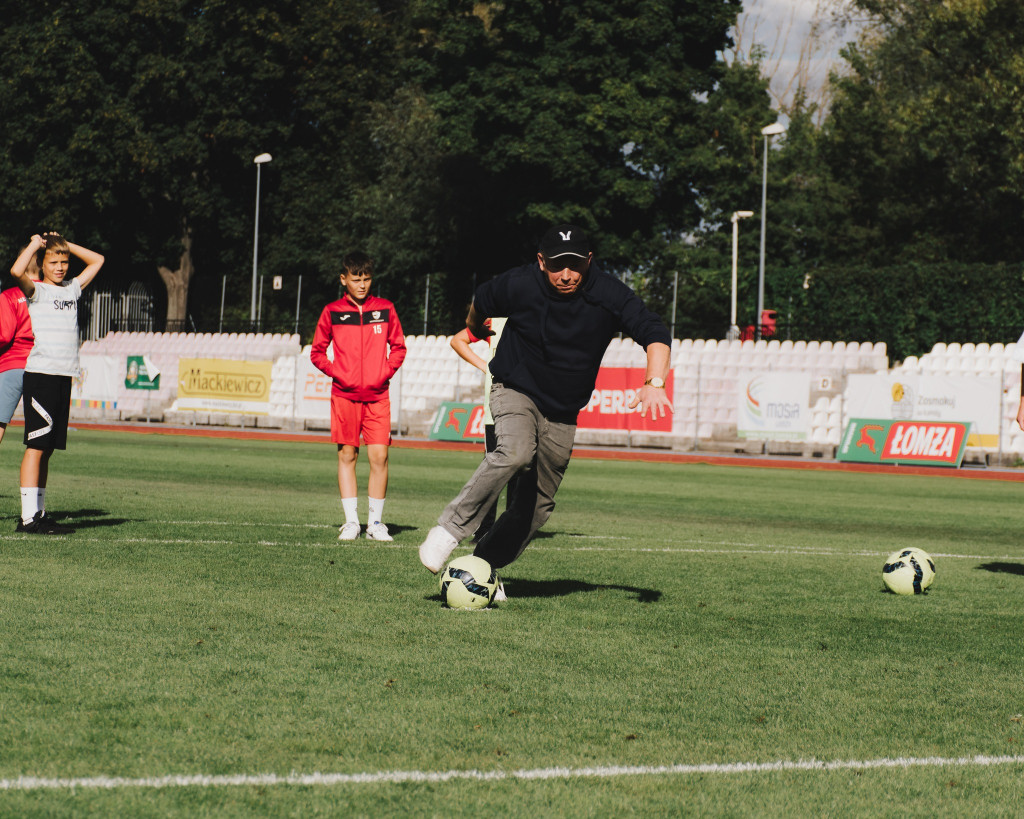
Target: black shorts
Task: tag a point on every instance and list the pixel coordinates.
(47, 400)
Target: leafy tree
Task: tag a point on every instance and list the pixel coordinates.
(585, 111)
(131, 125)
(926, 131)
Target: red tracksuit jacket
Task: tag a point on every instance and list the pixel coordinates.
(369, 347)
(16, 337)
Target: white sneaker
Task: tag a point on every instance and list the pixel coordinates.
(499, 594)
(377, 531)
(350, 531)
(434, 551)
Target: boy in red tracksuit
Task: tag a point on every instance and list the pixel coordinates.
(369, 347)
(16, 342)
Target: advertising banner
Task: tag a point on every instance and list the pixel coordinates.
(774, 406)
(141, 374)
(884, 441)
(219, 385)
(98, 383)
(313, 399)
(458, 421)
(899, 396)
(608, 407)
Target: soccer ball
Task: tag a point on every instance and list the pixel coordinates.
(468, 583)
(908, 571)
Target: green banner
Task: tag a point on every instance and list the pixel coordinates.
(137, 376)
(884, 441)
(458, 422)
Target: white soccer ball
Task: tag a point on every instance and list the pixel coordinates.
(468, 583)
(908, 571)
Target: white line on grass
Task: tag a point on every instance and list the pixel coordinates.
(726, 547)
(29, 783)
(744, 547)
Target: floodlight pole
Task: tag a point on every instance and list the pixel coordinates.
(734, 330)
(767, 131)
(257, 161)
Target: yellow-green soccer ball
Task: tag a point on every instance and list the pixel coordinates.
(908, 571)
(468, 583)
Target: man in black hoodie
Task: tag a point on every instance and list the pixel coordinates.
(562, 313)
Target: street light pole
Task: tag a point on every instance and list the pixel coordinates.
(767, 131)
(734, 330)
(257, 161)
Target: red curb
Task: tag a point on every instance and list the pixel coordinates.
(760, 462)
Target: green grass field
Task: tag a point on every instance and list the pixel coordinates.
(681, 639)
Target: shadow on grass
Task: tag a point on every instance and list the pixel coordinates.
(520, 589)
(561, 588)
(87, 518)
(395, 529)
(1003, 568)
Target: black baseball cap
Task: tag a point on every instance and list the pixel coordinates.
(565, 240)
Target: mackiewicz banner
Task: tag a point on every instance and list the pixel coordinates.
(220, 385)
(924, 443)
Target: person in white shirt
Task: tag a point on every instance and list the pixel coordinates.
(53, 362)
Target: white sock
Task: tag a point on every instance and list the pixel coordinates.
(29, 503)
(41, 503)
(348, 505)
(376, 512)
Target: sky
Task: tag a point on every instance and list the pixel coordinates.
(783, 28)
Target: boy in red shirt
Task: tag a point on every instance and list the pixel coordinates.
(369, 347)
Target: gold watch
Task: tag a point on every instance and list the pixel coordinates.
(655, 382)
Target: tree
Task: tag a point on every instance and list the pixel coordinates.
(582, 111)
(926, 131)
(133, 125)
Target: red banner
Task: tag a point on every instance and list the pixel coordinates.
(614, 391)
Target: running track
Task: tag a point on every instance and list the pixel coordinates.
(650, 456)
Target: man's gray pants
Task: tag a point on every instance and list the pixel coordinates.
(528, 444)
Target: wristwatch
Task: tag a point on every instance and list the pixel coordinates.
(655, 382)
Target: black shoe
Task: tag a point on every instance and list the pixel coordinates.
(43, 524)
